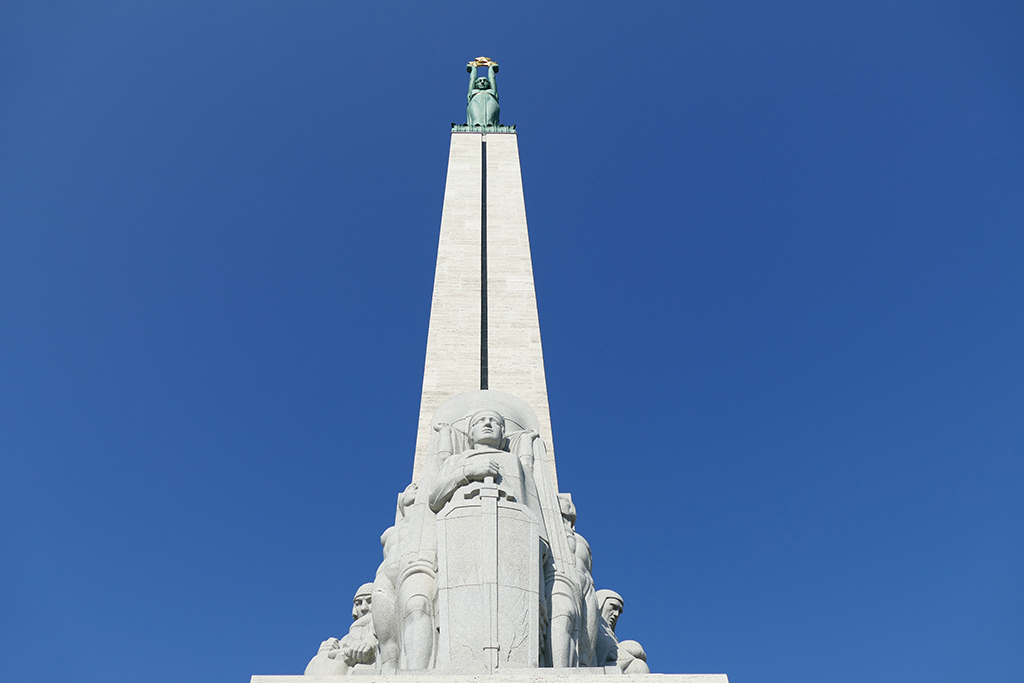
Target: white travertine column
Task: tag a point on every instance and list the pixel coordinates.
(453, 339)
(515, 358)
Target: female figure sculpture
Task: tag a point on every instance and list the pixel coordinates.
(482, 102)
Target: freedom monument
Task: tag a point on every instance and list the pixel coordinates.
(483, 573)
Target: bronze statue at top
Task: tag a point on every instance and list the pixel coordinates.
(482, 108)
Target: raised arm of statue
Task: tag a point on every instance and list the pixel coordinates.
(492, 69)
(471, 68)
(482, 102)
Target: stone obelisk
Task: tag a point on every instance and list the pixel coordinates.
(483, 571)
(484, 331)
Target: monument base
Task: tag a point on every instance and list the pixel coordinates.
(509, 676)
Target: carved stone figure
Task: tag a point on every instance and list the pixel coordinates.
(628, 654)
(574, 610)
(607, 647)
(488, 459)
(483, 568)
(482, 108)
(386, 619)
(488, 538)
(358, 648)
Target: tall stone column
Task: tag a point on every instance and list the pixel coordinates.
(484, 331)
(483, 570)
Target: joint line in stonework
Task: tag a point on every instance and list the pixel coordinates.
(483, 262)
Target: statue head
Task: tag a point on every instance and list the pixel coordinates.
(567, 508)
(486, 428)
(361, 602)
(611, 606)
(481, 84)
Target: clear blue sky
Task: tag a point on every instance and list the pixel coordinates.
(778, 252)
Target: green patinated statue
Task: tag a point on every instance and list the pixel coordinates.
(482, 108)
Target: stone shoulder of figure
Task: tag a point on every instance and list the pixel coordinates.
(631, 658)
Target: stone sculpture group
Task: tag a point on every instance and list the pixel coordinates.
(483, 568)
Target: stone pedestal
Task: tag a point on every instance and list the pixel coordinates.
(520, 676)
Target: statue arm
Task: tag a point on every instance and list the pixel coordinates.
(475, 469)
(524, 449)
(445, 488)
(491, 70)
(471, 68)
(359, 649)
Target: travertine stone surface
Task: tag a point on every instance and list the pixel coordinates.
(515, 357)
(511, 676)
(453, 339)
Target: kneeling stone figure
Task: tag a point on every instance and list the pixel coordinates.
(628, 654)
(357, 649)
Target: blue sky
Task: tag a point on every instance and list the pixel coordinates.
(778, 252)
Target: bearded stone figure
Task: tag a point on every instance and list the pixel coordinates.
(357, 649)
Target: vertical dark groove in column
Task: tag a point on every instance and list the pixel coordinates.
(483, 262)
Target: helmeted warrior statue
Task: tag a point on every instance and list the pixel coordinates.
(627, 654)
(357, 649)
